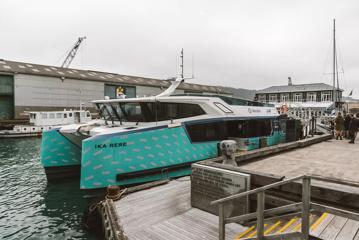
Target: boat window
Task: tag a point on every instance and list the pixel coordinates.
(32, 115)
(249, 128)
(221, 130)
(65, 115)
(202, 132)
(82, 114)
(223, 108)
(88, 114)
(148, 111)
(168, 111)
(43, 115)
(52, 115)
(58, 115)
(70, 114)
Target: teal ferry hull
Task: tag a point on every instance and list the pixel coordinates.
(140, 156)
(134, 156)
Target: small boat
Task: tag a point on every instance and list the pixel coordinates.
(145, 139)
(46, 120)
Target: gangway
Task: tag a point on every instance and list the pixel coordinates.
(305, 223)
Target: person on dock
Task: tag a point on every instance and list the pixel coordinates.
(346, 125)
(339, 126)
(353, 128)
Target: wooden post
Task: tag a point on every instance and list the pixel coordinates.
(260, 215)
(306, 207)
(221, 227)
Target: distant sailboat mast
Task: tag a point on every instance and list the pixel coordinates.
(336, 92)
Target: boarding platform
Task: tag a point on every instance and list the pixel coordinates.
(309, 192)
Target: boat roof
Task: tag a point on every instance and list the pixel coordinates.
(63, 111)
(186, 97)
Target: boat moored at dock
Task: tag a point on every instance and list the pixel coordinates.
(46, 120)
(146, 139)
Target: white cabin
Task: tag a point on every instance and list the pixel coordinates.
(53, 118)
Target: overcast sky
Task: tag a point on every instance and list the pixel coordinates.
(246, 44)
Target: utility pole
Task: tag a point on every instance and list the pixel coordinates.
(182, 75)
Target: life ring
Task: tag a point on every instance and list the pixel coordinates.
(284, 109)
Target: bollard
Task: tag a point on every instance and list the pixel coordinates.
(113, 192)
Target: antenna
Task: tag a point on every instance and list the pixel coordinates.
(192, 65)
(182, 76)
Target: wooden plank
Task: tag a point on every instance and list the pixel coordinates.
(333, 228)
(349, 230)
(320, 228)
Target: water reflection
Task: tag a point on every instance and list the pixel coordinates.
(29, 207)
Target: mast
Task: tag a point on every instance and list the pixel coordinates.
(334, 62)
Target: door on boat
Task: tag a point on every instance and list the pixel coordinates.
(77, 117)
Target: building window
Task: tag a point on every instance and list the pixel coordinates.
(284, 97)
(273, 97)
(52, 115)
(312, 97)
(262, 98)
(112, 90)
(43, 115)
(297, 97)
(58, 115)
(326, 96)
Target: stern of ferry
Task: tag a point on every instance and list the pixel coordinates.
(60, 157)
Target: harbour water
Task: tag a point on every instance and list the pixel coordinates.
(30, 208)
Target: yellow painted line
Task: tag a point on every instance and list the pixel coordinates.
(244, 233)
(297, 227)
(290, 223)
(255, 232)
(300, 224)
(272, 227)
(319, 221)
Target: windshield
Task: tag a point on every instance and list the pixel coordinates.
(147, 111)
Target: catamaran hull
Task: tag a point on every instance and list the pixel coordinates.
(60, 158)
(132, 157)
(140, 156)
(56, 174)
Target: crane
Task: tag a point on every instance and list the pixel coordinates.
(72, 53)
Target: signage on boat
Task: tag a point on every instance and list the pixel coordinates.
(212, 183)
(111, 145)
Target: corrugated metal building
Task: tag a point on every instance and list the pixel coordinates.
(33, 87)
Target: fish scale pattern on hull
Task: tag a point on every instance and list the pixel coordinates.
(57, 151)
(103, 157)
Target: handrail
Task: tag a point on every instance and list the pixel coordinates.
(304, 205)
(257, 190)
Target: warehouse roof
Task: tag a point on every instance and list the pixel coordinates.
(13, 67)
(312, 87)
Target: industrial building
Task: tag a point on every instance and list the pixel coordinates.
(33, 87)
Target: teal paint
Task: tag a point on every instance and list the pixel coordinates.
(57, 151)
(276, 138)
(105, 157)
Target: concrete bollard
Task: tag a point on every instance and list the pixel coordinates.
(229, 148)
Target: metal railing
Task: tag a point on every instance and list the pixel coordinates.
(304, 207)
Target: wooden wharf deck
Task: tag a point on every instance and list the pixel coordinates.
(165, 211)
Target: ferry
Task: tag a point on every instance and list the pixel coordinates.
(145, 139)
(46, 120)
